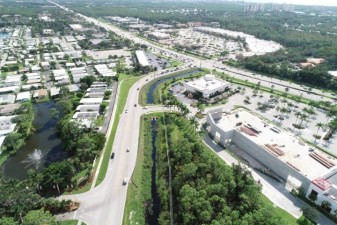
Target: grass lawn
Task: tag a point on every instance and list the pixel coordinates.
(280, 212)
(70, 222)
(175, 63)
(125, 85)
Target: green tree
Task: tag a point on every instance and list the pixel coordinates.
(8, 221)
(35, 179)
(13, 142)
(88, 80)
(64, 107)
(102, 107)
(38, 217)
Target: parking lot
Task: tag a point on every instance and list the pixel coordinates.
(253, 100)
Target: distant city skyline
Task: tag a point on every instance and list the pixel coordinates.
(299, 2)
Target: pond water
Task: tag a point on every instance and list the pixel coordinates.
(40, 149)
(150, 97)
(4, 34)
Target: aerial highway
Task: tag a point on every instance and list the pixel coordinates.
(104, 204)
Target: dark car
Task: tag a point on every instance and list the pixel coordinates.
(112, 156)
(135, 105)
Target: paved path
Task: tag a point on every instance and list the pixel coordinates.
(110, 108)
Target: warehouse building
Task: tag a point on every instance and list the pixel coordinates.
(293, 160)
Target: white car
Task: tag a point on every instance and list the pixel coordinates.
(128, 149)
(126, 111)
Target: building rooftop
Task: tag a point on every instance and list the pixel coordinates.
(142, 59)
(85, 101)
(208, 82)
(10, 108)
(310, 162)
(5, 99)
(23, 96)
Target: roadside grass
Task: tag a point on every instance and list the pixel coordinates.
(139, 188)
(287, 217)
(175, 63)
(125, 85)
(69, 222)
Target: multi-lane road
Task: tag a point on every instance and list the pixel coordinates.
(104, 205)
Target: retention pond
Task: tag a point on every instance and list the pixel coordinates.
(40, 149)
(150, 93)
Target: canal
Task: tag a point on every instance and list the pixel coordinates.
(152, 213)
(152, 88)
(40, 149)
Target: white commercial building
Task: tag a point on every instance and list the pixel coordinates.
(208, 86)
(142, 59)
(299, 164)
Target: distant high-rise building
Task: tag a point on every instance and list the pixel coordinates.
(282, 7)
(254, 8)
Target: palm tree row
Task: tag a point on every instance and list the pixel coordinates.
(173, 101)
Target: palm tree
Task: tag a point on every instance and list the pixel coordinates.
(319, 126)
(200, 107)
(298, 115)
(329, 114)
(283, 110)
(332, 125)
(283, 100)
(303, 117)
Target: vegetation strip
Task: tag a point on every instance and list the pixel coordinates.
(184, 142)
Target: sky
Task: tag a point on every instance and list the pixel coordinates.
(300, 2)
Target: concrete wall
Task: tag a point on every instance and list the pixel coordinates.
(256, 151)
(269, 160)
(321, 197)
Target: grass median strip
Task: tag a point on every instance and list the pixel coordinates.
(125, 85)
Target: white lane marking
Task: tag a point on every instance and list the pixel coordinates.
(75, 214)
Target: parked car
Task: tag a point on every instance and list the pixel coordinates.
(128, 150)
(112, 156)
